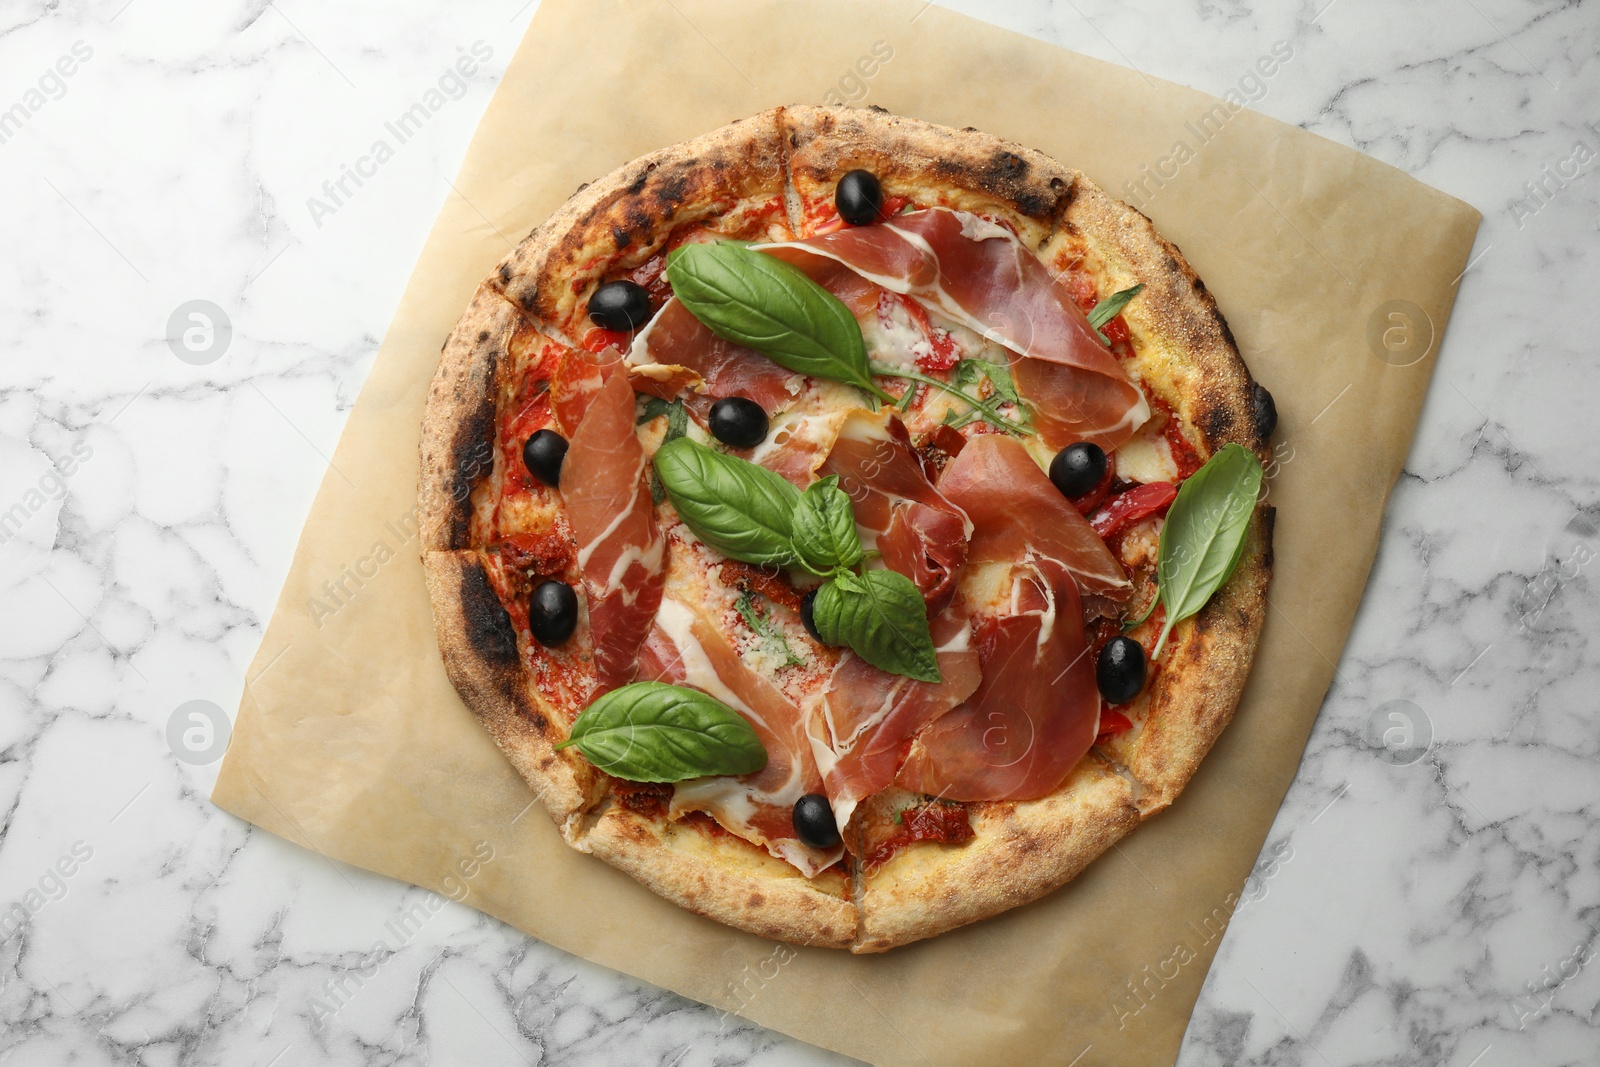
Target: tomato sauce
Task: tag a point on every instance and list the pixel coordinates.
(1183, 453)
(937, 820)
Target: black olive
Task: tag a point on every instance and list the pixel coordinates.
(552, 612)
(1120, 670)
(738, 421)
(543, 453)
(808, 614)
(858, 198)
(620, 306)
(1266, 410)
(813, 821)
(1078, 468)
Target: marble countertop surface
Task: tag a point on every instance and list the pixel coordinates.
(1428, 894)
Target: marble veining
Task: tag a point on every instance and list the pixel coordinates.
(1443, 832)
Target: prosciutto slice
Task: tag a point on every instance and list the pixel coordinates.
(1016, 511)
(675, 338)
(621, 550)
(859, 730)
(1035, 713)
(686, 648)
(979, 275)
(921, 533)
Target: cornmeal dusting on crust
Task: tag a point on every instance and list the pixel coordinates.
(489, 531)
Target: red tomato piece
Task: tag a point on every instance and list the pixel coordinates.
(1125, 509)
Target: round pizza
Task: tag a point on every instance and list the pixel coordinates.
(849, 526)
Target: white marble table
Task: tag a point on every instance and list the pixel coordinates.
(1428, 902)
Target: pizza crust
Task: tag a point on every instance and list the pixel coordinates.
(725, 878)
(1187, 353)
(777, 170)
(1021, 851)
(461, 417)
(486, 663)
(623, 218)
(929, 164)
(1203, 672)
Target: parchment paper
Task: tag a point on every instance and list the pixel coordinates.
(351, 741)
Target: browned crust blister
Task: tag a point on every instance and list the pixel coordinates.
(485, 661)
(1187, 356)
(931, 165)
(624, 218)
(459, 422)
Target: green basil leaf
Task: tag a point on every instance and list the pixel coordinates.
(825, 535)
(764, 303)
(1204, 533)
(1111, 307)
(882, 618)
(677, 416)
(738, 508)
(654, 732)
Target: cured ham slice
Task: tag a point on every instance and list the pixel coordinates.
(798, 444)
(675, 338)
(686, 648)
(921, 533)
(860, 727)
(979, 275)
(575, 382)
(1035, 713)
(1016, 511)
(621, 550)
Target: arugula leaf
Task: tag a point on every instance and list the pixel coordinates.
(984, 409)
(1111, 307)
(677, 416)
(882, 617)
(1204, 533)
(738, 508)
(764, 303)
(653, 732)
(825, 535)
(999, 375)
(772, 638)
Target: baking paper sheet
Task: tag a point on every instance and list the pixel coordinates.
(1336, 273)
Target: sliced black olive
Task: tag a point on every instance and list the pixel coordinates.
(1078, 468)
(1119, 672)
(1266, 410)
(620, 306)
(543, 453)
(808, 614)
(858, 198)
(552, 612)
(813, 821)
(738, 421)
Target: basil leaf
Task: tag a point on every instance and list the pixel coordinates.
(825, 535)
(882, 618)
(1204, 535)
(738, 508)
(677, 416)
(1111, 307)
(653, 732)
(764, 303)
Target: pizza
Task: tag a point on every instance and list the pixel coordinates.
(849, 526)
